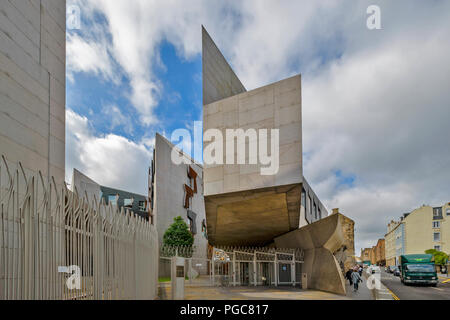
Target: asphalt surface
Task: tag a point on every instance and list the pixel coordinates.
(415, 292)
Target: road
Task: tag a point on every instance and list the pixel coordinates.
(441, 292)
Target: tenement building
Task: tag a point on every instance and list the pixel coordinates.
(422, 229)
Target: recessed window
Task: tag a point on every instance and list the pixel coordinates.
(448, 212)
(142, 205)
(310, 206)
(437, 248)
(315, 210)
(128, 203)
(436, 224)
(112, 199)
(437, 212)
(437, 236)
(304, 198)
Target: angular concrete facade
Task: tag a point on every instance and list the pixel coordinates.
(168, 194)
(220, 81)
(32, 85)
(243, 206)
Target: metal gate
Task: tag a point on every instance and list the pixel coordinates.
(235, 266)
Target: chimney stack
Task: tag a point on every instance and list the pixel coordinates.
(336, 211)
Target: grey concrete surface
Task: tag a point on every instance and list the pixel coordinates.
(219, 79)
(32, 85)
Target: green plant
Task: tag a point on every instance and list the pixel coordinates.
(178, 234)
(440, 258)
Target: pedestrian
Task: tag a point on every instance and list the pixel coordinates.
(348, 276)
(360, 270)
(356, 278)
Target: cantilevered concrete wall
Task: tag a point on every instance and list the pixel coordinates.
(219, 80)
(320, 241)
(32, 84)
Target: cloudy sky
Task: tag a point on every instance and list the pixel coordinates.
(376, 103)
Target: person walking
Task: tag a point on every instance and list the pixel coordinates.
(348, 276)
(360, 270)
(356, 278)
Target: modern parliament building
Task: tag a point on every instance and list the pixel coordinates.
(240, 207)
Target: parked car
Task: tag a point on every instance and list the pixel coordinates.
(391, 269)
(396, 272)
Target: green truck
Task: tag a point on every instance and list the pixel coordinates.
(418, 269)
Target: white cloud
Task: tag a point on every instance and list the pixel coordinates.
(88, 56)
(110, 160)
(117, 118)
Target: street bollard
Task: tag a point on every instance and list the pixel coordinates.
(304, 281)
(178, 278)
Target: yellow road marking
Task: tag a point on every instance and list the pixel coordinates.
(393, 294)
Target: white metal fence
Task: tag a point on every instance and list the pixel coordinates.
(43, 227)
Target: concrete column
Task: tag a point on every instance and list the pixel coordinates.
(234, 269)
(275, 269)
(213, 272)
(255, 281)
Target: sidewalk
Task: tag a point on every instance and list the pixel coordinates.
(364, 293)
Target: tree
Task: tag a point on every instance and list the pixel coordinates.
(178, 234)
(440, 258)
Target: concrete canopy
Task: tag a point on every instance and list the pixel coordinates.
(254, 217)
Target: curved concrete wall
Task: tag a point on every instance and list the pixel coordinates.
(320, 241)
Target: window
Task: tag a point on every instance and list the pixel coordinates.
(112, 199)
(437, 236)
(320, 214)
(304, 198)
(437, 213)
(437, 248)
(128, 203)
(448, 212)
(436, 224)
(310, 205)
(315, 210)
(142, 205)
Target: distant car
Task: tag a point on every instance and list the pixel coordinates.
(396, 272)
(391, 269)
(373, 269)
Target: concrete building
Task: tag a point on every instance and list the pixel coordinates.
(245, 207)
(32, 85)
(177, 190)
(94, 192)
